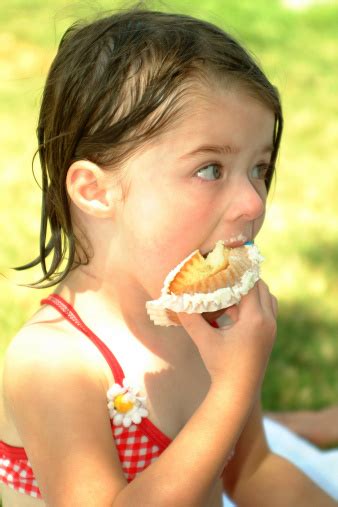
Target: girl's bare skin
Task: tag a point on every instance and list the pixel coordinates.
(201, 179)
(318, 426)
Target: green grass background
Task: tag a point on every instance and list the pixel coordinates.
(298, 49)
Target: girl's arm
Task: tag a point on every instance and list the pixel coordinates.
(256, 477)
(59, 408)
(318, 426)
(57, 402)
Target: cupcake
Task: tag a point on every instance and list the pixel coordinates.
(206, 284)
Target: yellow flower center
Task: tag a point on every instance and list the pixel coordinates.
(121, 405)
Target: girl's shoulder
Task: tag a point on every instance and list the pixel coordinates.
(47, 358)
(49, 344)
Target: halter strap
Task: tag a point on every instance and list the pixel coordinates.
(69, 313)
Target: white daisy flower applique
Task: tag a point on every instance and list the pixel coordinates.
(125, 405)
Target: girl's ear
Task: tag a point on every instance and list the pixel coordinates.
(90, 189)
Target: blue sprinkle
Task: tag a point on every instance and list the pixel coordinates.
(249, 243)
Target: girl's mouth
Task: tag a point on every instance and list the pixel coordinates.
(234, 242)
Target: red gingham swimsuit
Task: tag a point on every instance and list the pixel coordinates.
(138, 446)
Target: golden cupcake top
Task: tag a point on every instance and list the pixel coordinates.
(205, 284)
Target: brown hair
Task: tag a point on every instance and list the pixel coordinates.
(115, 83)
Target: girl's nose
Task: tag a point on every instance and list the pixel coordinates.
(247, 200)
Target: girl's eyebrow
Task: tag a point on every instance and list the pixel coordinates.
(222, 150)
(211, 148)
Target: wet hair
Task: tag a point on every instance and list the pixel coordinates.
(115, 83)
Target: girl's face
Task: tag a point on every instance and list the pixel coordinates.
(200, 182)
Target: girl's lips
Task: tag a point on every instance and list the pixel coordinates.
(235, 244)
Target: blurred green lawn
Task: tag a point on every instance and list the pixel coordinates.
(298, 49)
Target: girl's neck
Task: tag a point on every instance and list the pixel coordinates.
(104, 305)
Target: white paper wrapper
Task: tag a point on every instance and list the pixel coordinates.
(160, 310)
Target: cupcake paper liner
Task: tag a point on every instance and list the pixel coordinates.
(244, 268)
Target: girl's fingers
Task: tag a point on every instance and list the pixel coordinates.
(232, 313)
(257, 300)
(194, 324)
(212, 316)
(268, 301)
(247, 339)
(274, 306)
(250, 303)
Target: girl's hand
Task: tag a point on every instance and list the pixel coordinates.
(237, 353)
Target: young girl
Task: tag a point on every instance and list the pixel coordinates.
(158, 135)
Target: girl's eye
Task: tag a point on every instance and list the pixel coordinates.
(210, 172)
(260, 172)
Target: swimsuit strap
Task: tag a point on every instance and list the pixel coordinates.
(69, 313)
